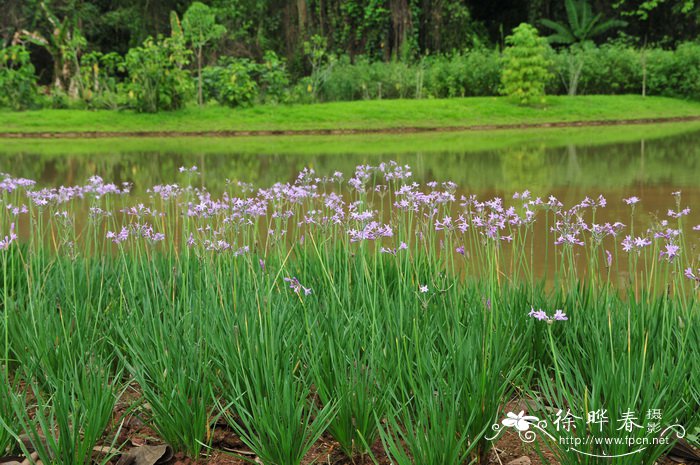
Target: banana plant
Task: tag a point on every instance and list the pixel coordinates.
(581, 26)
(64, 43)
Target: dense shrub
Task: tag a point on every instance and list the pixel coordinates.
(469, 74)
(18, 89)
(364, 80)
(610, 69)
(473, 73)
(526, 66)
(236, 82)
(273, 79)
(157, 78)
(231, 83)
(153, 77)
(619, 69)
(100, 83)
(675, 74)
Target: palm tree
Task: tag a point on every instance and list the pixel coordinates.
(581, 25)
(577, 32)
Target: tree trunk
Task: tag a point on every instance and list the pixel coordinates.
(401, 23)
(301, 12)
(199, 76)
(644, 72)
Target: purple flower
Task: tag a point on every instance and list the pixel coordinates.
(641, 242)
(670, 253)
(522, 196)
(372, 231)
(668, 234)
(15, 210)
(460, 250)
(692, 276)
(629, 244)
(541, 315)
(538, 314)
(9, 184)
(674, 214)
(609, 258)
(119, 237)
(631, 200)
(261, 262)
(5, 243)
(296, 286)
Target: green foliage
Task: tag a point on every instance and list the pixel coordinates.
(316, 52)
(469, 74)
(526, 66)
(581, 25)
(157, 78)
(18, 89)
(640, 367)
(173, 378)
(200, 28)
(100, 81)
(273, 411)
(64, 41)
(609, 69)
(199, 25)
(232, 82)
(430, 343)
(676, 74)
(273, 78)
(473, 73)
(65, 424)
(365, 80)
(8, 419)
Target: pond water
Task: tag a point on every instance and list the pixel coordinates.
(648, 162)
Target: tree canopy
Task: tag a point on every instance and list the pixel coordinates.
(376, 29)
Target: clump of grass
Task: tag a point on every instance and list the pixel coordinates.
(628, 377)
(65, 422)
(344, 368)
(270, 399)
(167, 356)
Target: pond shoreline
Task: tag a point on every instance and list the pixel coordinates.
(343, 131)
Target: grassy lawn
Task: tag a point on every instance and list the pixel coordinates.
(382, 114)
(368, 144)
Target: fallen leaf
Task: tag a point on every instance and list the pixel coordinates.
(147, 455)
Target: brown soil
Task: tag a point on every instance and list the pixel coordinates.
(228, 449)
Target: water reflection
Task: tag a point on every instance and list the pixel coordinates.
(659, 166)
